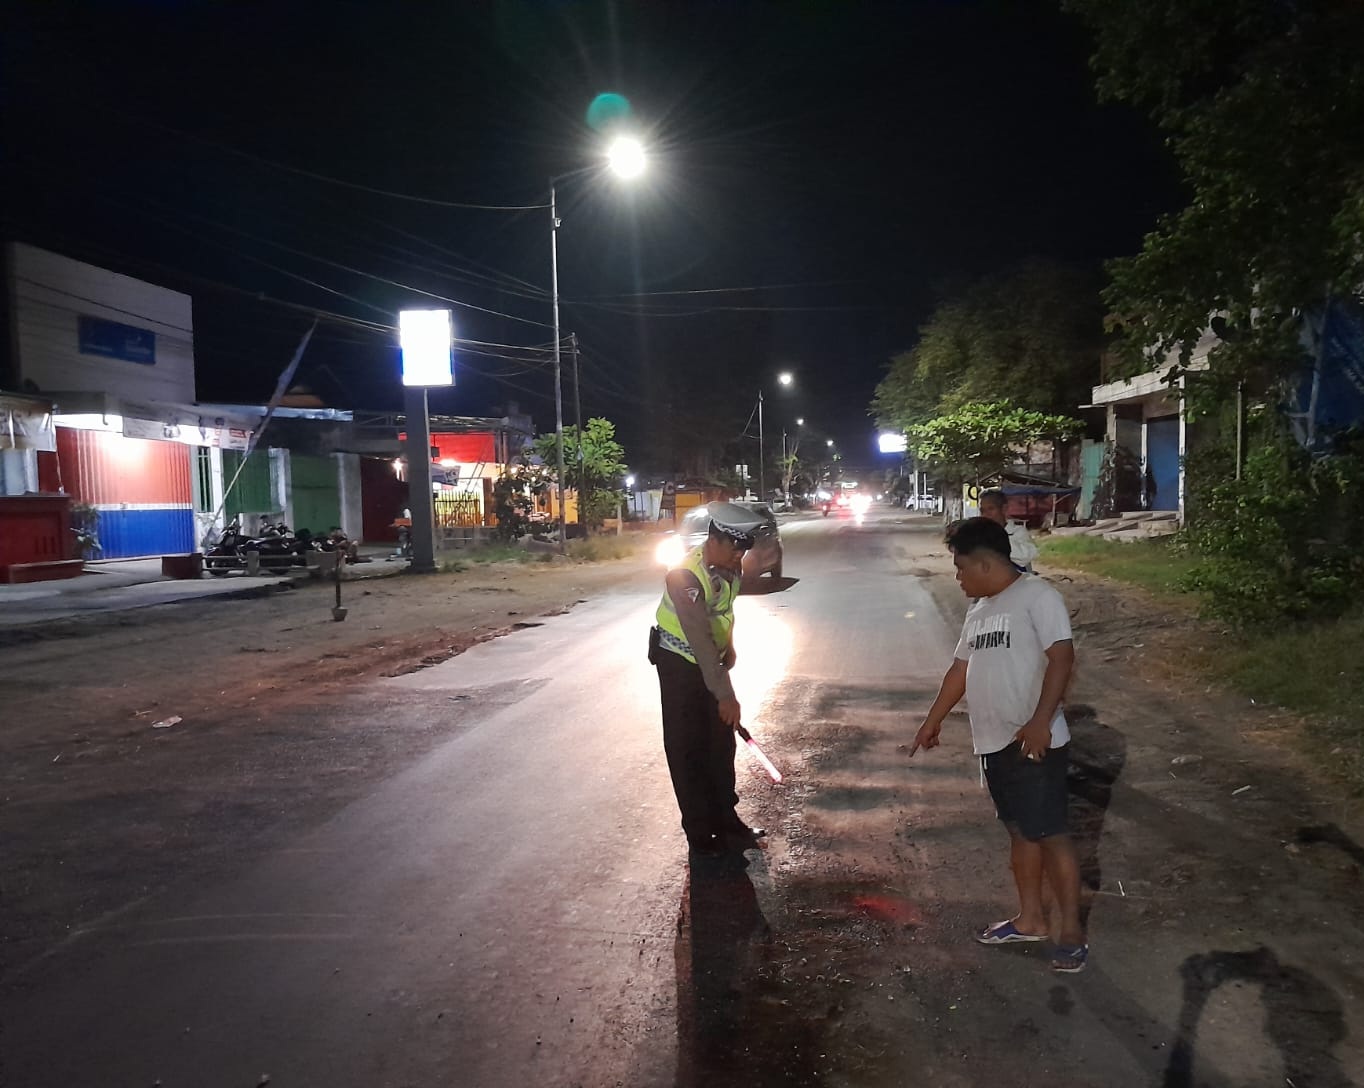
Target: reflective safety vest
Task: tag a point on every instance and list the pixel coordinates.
(719, 594)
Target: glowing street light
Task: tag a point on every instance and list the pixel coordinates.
(626, 158)
(784, 378)
(788, 457)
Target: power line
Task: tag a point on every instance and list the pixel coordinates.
(347, 268)
(718, 290)
(312, 174)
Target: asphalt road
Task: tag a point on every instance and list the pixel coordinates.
(502, 913)
(516, 907)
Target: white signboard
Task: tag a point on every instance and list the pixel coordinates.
(169, 423)
(426, 337)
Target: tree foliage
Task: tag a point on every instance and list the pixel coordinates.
(982, 437)
(514, 496)
(1282, 542)
(1263, 105)
(1030, 336)
(595, 464)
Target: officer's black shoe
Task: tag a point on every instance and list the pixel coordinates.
(709, 846)
(744, 838)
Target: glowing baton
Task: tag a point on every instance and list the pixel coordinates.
(758, 753)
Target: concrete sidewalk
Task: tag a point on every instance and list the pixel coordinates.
(121, 584)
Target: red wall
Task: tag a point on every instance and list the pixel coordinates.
(467, 449)
(99, 467)
(34, 529)
(382, 496)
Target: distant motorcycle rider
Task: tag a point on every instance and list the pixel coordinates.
(692, 647)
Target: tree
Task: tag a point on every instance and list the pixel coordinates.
(1031, 335)
(982, 437)
(514, 495)
(1263, 105)
(602, 467)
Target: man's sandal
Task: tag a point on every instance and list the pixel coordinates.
(1069, 961)
(1007, 933)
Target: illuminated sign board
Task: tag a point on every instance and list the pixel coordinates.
(426, 337)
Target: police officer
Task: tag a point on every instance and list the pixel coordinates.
(692, 647)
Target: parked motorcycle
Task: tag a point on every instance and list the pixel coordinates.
(274, 548)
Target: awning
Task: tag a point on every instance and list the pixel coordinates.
(26, 424)
(191, 424)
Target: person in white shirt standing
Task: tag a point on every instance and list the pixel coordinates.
(1012, 663)
(1022, 551)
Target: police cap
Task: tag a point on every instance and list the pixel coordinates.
(739, 523)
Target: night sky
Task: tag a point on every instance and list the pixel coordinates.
(820, 175)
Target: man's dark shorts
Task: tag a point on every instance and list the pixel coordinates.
(1030, 795)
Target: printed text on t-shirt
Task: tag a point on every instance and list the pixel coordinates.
(988, 633)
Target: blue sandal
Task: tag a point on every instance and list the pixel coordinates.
(1007, 933)
(1070, 961)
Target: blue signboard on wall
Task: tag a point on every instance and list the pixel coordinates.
(116, 341)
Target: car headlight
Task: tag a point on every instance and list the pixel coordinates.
(670, 551)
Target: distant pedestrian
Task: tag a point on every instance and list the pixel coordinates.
(692, 646)
(994, 504)
(1012, 662)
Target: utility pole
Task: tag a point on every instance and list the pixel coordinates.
(761, 481)
(554, 224)
(578, 415)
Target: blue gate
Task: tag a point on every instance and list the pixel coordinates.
(1162, 463)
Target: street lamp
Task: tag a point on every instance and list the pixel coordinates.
(626, 159)
(784, 378)
(788, 461)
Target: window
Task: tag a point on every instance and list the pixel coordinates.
(203, 479)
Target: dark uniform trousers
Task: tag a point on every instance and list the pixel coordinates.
(699, 747)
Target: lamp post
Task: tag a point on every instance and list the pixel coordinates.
(784, 378)
(788, 461)
(558, 380)
(626, 159)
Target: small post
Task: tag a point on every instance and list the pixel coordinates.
(338, 613)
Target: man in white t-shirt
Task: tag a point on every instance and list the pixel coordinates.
(994, 504)
(1012, 663)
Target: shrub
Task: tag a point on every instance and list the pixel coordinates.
(1283, 541)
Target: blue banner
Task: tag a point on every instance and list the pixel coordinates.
(116, 341)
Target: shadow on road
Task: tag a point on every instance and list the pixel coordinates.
(1303, 1017)
(720, 935)
(731, 1029)
(1332, 835)
(1098, 753)
(751, 587)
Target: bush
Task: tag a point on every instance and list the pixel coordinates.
(85, 530)
(1283, 541)
(606, 546)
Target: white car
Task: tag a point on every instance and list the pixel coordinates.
(765, 555)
